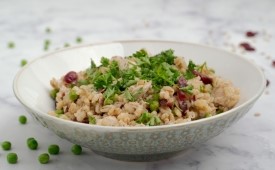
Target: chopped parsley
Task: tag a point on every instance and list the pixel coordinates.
(189, 72)
(187, 89)
(148, 119)
(92, 120)
(132, 97)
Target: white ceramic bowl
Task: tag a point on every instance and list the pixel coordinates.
(31, 87)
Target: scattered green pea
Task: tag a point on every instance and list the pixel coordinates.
(48, 30)
(11, 45)
(6, 145)
(78, 40)
(32, 143)
(44, 158)
(22, 119)
(46, 44)
(66, 45)
(53, 149)
(76, 149)
(12, 158)
(53, 93)
(23, 62)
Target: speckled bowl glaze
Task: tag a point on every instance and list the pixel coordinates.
(31, 87)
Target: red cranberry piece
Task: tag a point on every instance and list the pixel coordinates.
(163, 102)
(181, 95)
(70, 77)
(194, 98)
(273, 63)
(206, 79)
(247, 46)
(182, 82)
(183, 107)
(250, 33)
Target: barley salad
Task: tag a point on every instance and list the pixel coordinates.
(142, 90)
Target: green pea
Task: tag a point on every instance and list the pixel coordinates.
(66, 45)
(11, 45)
(78, 40)
(59, 112)
(53, 93)
(22, 119)
(6, 145)
(46, 44)
(48, 30)
(73, 96)
(12, 158)
(154, 105)
(32, 143)
(53, 149)
(44, 158)
(76, 149)
(23, 62)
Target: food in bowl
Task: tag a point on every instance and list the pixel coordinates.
(142, 90)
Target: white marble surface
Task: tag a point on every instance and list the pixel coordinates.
(249, 144)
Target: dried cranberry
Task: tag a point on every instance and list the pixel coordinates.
(247, 46)
(182, 82)
(250, 33)
(163, 102)
(183, 107)
(205, 79)
(193, 97)
(181, 95)
(70, 77)
(273, 63)
(267, 83)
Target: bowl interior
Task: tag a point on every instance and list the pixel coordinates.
(32, 83)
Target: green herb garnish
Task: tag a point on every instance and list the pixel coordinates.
(92, 120)
(189, 72)
(187, 89)
(148, 119)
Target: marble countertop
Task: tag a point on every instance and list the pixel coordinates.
(248, 144)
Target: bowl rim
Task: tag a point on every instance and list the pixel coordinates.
(135, 128)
